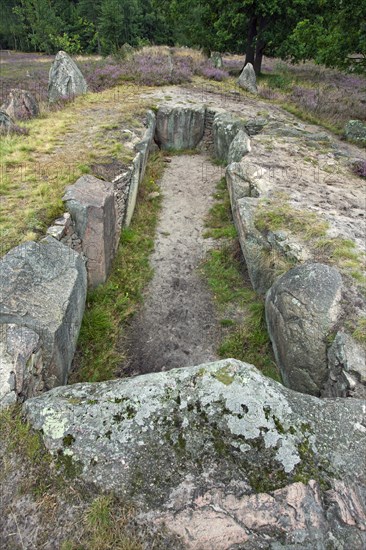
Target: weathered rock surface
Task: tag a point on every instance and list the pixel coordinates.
(65, 78)
(239, 147)
(220, 453)
(20, 364)
(91, 203)
(247, 80)
(179, 127)
(20, 104)
(302, 307)
(346, 368)
(7, 126)
(139, 166)
(225, 127)
(255, 125)
(42, 288)
(355, 130)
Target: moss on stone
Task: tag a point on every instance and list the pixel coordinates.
(224, 376)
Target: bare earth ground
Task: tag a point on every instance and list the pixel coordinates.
(177, 325)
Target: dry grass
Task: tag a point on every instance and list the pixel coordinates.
(60, 147)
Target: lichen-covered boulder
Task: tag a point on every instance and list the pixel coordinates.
(225, 127)
(42, 288)
(179, 127)
(20, 105)
(239, 147)
(355, 130)
(91, 203)
(220, 453)
(216, 59)
(65, 79)
(247, 80)
(302, 307)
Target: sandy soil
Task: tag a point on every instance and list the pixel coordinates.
(177, 326)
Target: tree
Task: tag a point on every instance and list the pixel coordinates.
(118, 24)
(331, 35)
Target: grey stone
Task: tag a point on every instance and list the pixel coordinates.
(355, 130)
(247, 80)
(239, 147)
(179, 127)
(7, 126)
(43, 288)
(216, 448)
(255, 125)
(216, 60)
(65, 79)
(302, 307)
(346, 368)
(91, 203)
(225, 127)
(21, 364)
(20, 104)
(56, 231)
(255, 247)
(133, 188)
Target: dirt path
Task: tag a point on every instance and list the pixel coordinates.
(177, 326)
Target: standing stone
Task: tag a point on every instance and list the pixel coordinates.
(91, 203)
(21, 105)
(43, 289)
(65, 79)
(7, 126)
(179, 127)
(239, 147)
(302, 307)
(216, 60)
(224, 129)
(21, 364)
(247, 80)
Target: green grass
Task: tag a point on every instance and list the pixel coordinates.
(110, 305)
(248, 340)
(275, 214)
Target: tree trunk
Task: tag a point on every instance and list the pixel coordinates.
(260, 46)
(250, 49)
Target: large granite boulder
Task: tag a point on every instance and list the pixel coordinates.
(247, 80)
(91, 203)
(65, 79)
(225, 127)
(179, 127)
(43, 289)
(216, 60)
(302, 308)
(221, 454)
(20, 105)
(355, 130)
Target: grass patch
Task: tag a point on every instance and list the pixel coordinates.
(35, 169)
(248, 340)
(359, 333)
(110, 305)
(275, 214)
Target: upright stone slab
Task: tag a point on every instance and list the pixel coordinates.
(239, 147)
(247, 80)
(20, 105)
(179, 127)
(7, 126)
(65, 78)
(21, 364)
(302, 307)
(43, 289)
(91, 203)
(225, 127)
